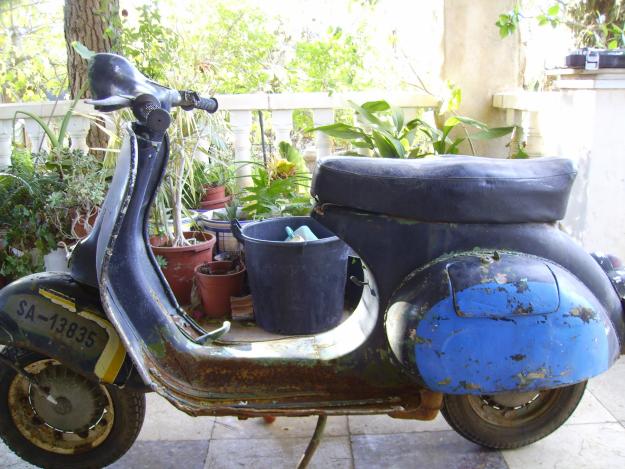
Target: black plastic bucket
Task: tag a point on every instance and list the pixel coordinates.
(297, 287)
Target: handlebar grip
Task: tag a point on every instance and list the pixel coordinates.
(207, 104)
(147, 109)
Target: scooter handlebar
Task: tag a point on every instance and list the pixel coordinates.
(191, 100)
(207, 104)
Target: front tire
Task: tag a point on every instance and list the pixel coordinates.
(89, 426)
(511, 420)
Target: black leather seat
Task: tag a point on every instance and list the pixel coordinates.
(457, 189)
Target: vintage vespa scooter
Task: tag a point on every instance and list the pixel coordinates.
(474, 303)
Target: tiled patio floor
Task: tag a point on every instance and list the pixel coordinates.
(593, 438)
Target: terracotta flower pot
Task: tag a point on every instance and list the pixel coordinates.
(82, 224)
(181, 262)
(216, 288)
(215, 203)
(213, 193)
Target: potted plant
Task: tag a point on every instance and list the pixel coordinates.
(216, 282)
(280, 188)
(387, 134)
(181, 250)
(28, 235)
(74, 209)
(215, 180)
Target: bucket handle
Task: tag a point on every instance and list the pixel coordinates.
(235, 226)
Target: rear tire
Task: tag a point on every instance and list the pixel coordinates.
(108, 418)
(511, 420)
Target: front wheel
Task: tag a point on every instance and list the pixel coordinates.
(87, 426)
(511, 420)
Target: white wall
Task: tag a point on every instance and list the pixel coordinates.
(589, 127)
(480, 62)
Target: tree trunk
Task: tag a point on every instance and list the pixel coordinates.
(93, 23)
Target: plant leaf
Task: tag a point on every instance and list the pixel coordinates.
(398, 119)
(383, 146)
(82, 50)
(339, 130)
(376, 106)
(494, 132)
(366, 115)
(454, 120)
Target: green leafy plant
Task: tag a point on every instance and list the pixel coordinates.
(276, 190)
(82, 192)
(386, 133)
(594, 23)
(27, 231)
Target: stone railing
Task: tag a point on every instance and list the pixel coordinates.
(322, 105)
(241, 108)
(581, 119)
(52, 113)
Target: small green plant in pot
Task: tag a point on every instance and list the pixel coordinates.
(281, 188)
(73, 210)
(215, 180)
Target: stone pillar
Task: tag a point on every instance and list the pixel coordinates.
(480, 62)
(323, 117)
(241, 125)
(6, 136)
(282, 125)
(77, 130)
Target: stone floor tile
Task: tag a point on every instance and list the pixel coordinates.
(277, 453)
(383, 424)
(8, 459)
(590, 410)
(609, 388)
(164, 422)
(283, 427)
(592, 446)
(164, 455)
(432, 450)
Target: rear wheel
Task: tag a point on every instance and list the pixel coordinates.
(511, 420)
(85, 425)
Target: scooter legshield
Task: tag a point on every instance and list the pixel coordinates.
(52, 314)
(488, 322)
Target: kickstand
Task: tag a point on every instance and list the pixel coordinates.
(314, 442)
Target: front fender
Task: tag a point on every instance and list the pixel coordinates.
(488, 322)
(52, 314)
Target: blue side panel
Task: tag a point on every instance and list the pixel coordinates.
(515, 324)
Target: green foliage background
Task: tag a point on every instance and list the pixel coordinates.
(227, 48)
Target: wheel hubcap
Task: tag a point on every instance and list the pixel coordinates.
(79, 403)
(512, 409)
(80, 420)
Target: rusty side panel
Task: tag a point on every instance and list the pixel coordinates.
(487, 322)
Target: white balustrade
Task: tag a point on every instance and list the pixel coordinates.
(322, 105)
(52, 113)
(241, 109)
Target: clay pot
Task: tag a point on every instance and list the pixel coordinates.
(215, 203)
(181, 262)
(213, 193)
(82, 224)
(216, 288)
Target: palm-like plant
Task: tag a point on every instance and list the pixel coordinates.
(387, 134)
